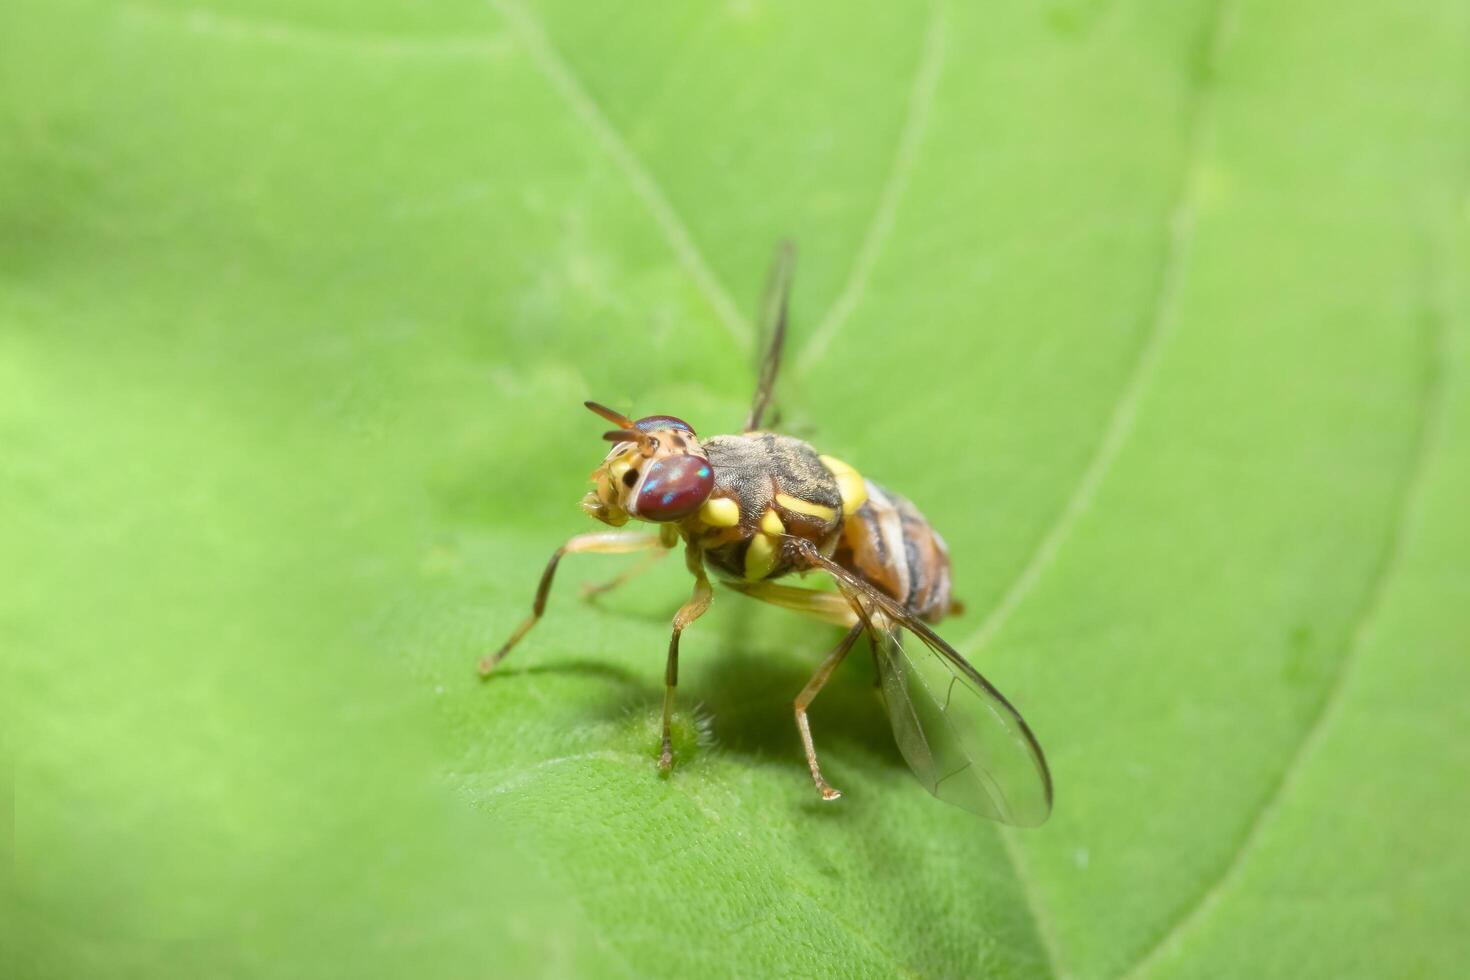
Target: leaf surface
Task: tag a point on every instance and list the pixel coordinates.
(1160, 314)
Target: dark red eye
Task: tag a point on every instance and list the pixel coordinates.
(655, 422)
(674, 487)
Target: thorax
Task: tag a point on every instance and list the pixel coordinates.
(766, 486)
(769, 486)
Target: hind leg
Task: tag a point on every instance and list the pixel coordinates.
(809, 694)
(830, 608)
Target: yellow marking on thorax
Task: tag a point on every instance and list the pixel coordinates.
(760, 557)
(850, 484)
(720, 512)
(771, 521)
(820, 511)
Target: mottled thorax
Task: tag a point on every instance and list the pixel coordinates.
(766, 486)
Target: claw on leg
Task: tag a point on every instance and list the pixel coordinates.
(489, 662)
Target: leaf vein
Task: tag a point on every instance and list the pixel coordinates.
(1045, 934)
(565, 81)
(905, 157)
(1180, 231)
(899, 967)
(259, 30)
(1405, 509)
(1162, 323)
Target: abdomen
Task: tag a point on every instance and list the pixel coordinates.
(889, 543)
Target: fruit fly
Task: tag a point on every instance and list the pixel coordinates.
(758, 506)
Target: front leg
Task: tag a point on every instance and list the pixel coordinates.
(688, 613)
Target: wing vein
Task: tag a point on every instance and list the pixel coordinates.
(961, 769)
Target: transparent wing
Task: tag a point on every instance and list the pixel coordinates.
(771, 340)
(961, 737)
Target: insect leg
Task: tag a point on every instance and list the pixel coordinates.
(591, 589)
(599, 542)
(643, 564)
(873, 599)
(688, 613)
(829, 607)
(773, 324)
(809, 694)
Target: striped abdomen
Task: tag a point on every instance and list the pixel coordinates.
(889, 543)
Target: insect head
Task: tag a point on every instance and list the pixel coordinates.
(656, 471)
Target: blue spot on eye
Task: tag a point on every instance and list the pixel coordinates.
(703, 471)
(668, 498)
(650, 485)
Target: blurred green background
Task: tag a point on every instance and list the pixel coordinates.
(1161, 312)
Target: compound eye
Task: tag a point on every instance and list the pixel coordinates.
(653, 423)
(674, 487)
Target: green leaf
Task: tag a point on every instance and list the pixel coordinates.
(1160, 312)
